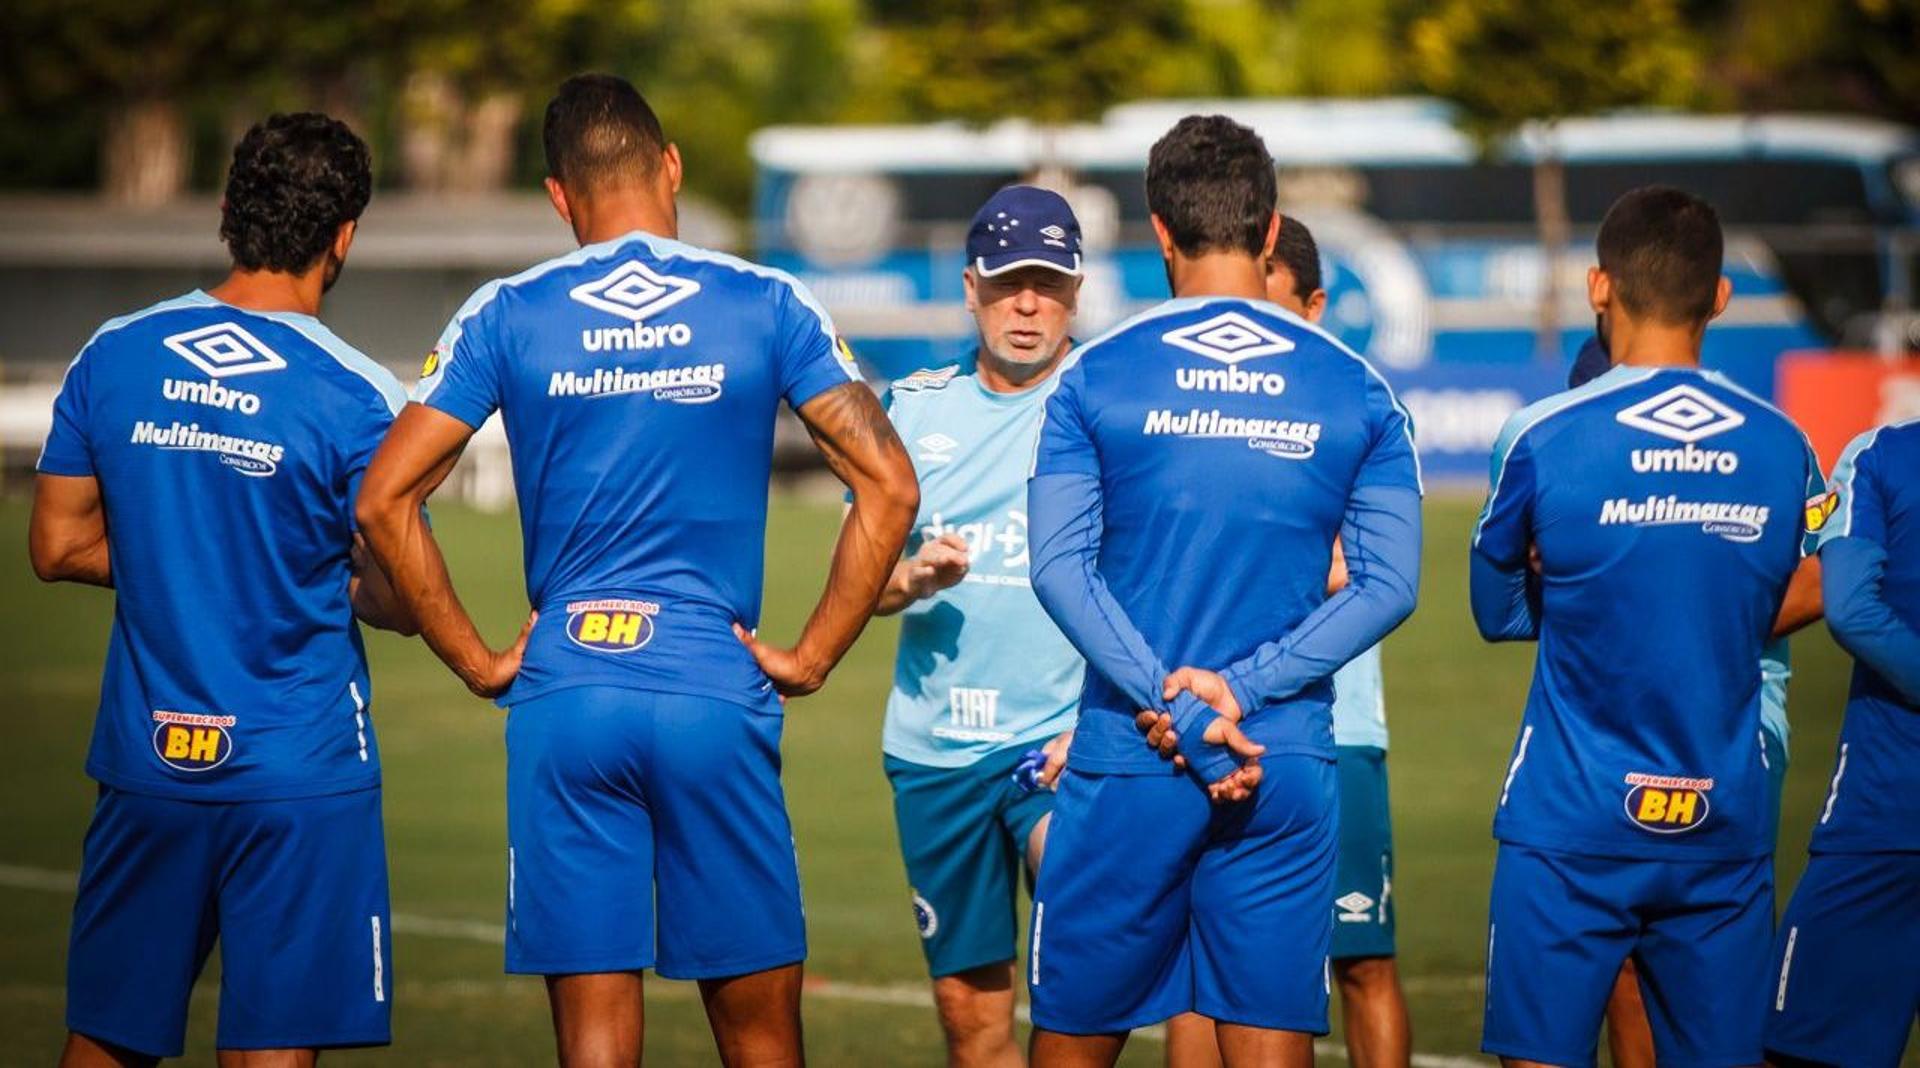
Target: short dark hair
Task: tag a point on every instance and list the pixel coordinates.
(1662, 247)
(1211, 183)
(295, 178)
(598, 127)
(1296, 250)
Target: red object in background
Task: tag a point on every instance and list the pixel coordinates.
(1834, 396)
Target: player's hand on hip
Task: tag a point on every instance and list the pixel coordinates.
(792, 675)
(1056, 751)
(501, 667)
(1209, 686)
(939, 564)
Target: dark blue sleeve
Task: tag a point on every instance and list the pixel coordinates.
(1065, 522)
(1381, 539)
(67, 451)
(811, 357)
(1853, 560)
(1501, 587)
(1861, 620)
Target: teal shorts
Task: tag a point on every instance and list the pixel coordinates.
(1363, 869)
(963, 833)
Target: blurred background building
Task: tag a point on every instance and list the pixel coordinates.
(1453, 157)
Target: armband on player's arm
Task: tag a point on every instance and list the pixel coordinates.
(1381, 542)
(1860, 618)
(1065, 522)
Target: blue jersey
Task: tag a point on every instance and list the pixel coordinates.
(638, 380)
(229, 446)
(1227, 437)
(980, 668)
(1667, 506)
(1873, 802)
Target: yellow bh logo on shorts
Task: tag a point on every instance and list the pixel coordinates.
(1667, 804)
(611, 626)
(187, 741)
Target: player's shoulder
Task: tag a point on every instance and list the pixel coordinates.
(1901, 440)
(137, 327)
(1620, 386)
(352, 372)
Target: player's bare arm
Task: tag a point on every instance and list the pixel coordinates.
(853, 433)
(939, 564)
(67, 538)
(412, 462)
(374, 601)
(1803, 604)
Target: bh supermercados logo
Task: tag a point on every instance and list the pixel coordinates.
(1667, 804)
(611, 626)
(187, 741)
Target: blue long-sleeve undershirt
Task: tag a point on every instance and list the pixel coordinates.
(1064, 524)
(1381, 539)
(1860, 618)
(1505, 599)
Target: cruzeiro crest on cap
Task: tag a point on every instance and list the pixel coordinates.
(634, 291)
(1229, 337)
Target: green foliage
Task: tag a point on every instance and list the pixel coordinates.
(1506, 62)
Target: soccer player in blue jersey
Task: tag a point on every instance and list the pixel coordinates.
(638, 379)
(1846, 979)
(1666, 507)
(1629, 1036)
(982, 676)
(202, 464)
(1196, 466)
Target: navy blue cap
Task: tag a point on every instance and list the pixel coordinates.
(1024, 226)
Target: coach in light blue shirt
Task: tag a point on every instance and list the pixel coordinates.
(982, 674)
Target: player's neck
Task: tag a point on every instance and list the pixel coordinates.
(606, 217)
(1217, 274)
(1655, 344)
(273, 291)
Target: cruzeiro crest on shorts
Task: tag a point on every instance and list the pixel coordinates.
(611, 626)
(924, 918)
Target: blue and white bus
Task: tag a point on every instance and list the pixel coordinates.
(1431, 252)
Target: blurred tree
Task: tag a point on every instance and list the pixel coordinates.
(1056, 61)
(1850, 55)
(1507, 63)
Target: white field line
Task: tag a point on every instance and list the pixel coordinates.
(906, 995)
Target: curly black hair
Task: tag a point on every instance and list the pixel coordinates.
(295, 179)
(1211, 183)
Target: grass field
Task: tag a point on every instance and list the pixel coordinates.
(1453, 702)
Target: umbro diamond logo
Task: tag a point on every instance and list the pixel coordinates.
(1354, 907)
(634, 291)
(937, 448)
(1684, 413)
(1229, 337)
(224, 350)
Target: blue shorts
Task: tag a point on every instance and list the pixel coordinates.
(294, 891)
(1153, 902)
(1846, 977)
(622, 803)
(1561, 924)
(963, 833)
(1363, 868)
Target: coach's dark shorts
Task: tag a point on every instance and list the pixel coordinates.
(1363, 869)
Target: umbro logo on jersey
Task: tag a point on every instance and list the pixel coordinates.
(634, 291)
(936, 448)
(224, 350)
(1684, 413)
(1229, 337)
(1354, 908)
